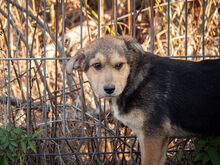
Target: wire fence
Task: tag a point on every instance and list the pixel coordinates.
(38, 37)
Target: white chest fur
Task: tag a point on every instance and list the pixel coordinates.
(133, 119)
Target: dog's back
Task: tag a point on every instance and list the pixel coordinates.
(192, 91)
(196, 97)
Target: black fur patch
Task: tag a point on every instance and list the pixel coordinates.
(187, 93)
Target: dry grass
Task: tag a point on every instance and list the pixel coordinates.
(56, 103)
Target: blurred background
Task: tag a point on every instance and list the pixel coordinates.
(59, 119)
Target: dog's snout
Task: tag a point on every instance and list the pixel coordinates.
(109, 89)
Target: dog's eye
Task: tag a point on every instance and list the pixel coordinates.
(97, 66)
(118, 66)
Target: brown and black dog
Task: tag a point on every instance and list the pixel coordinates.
(156, 97)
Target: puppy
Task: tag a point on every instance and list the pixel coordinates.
(156, 97)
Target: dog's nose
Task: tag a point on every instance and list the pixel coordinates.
(109, 89)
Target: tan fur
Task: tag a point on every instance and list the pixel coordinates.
(130, 118)
(153, 150)
(173, 130)
(108, 74)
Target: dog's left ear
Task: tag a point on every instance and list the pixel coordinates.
(132, 44)
(76, 61)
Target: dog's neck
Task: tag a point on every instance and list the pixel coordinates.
(138, 74)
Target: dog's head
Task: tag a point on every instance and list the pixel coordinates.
(107, 63)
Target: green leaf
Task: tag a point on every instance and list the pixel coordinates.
(23, 146)
(3, 140)
(11, 148)
(8, 127)
(33, 147)
(17, 131)
(205, 159)
(215, 142)
(180, 154)
(198, 157)
(13, 143)
(214, 155)
(35, 135)
(6, 144)
(10, 156)
(2, 132)
(4, 160)
(201, 143)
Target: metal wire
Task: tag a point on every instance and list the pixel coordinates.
(117, 123)
(27, 69)
(9, 65)
(116, 16)
(152, 35)
(186, 25)
(44, 70)
(81, 153)
(66, 59)
(134, 18)
(63, 68)
(168, 28)
(203, 29)
(98, 106)
(99, 19)
(85, 138)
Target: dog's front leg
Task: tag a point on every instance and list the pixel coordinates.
(153, 150)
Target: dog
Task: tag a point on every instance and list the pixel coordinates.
(157, 97)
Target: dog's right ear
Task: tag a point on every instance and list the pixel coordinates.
(132, 44)
(76, 62)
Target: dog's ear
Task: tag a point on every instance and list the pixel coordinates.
(132, 44)
(76, 62)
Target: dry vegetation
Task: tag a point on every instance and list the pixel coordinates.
(36, 94)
